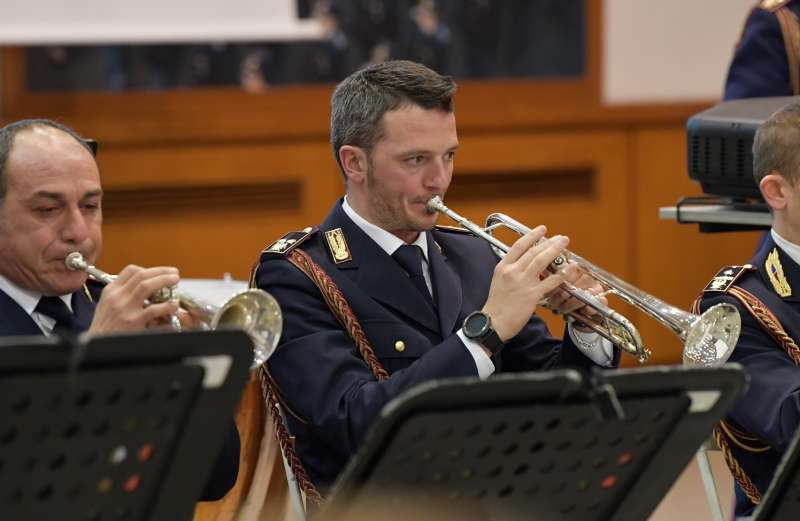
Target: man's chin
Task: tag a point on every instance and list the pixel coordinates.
(65, 285)
(426, 223)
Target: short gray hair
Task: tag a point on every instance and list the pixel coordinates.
(10, 131)
(360, 100)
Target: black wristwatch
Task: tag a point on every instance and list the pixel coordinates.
(478, 327)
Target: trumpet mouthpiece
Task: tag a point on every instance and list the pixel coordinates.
(75, 262)
(435, 204)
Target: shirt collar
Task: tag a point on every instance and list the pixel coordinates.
(791, 249)
(27, 299)
(387, 241)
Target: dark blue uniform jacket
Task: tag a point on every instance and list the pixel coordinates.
(770, 409)
(14, 321)
(330, 393)
(760, 67)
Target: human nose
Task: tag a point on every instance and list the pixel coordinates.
(439, 175)
(75, 229)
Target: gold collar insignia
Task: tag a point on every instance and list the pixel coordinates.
(338, 245)
(775, 274)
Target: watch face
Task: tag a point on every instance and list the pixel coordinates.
(476, 325)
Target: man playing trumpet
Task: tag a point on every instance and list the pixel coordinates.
(756, 433)
(50, 206)
(431, 302)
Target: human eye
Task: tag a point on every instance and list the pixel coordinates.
(415, 160)
(450, 155)
(46, 210)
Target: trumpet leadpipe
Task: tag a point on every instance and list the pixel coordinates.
(75, 262)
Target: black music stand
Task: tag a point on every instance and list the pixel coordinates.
(122, 428)
(545, 446)
(782, 500)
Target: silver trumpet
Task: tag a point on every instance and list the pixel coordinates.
(254, 311)
(708, 339)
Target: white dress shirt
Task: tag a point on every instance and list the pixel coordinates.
(591, 344)
(28, 300)
(791, 249)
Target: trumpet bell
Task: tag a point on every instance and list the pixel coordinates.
(257, 313)
(712, 337)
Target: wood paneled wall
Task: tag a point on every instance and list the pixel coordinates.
(203, 180)
(209, 207)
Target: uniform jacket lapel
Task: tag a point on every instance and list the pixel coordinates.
(446, 287)
(83, 307)
(377, 274)
(14, 320)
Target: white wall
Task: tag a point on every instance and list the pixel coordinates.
(674, 50)
(108, 21)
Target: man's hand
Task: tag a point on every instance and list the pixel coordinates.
(122, 306)
(521, 280)
(561, 302)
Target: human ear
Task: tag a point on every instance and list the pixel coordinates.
(354, 163)
(774, 188)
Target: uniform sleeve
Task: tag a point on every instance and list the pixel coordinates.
(770, 408)
(534, 349)
(319, 372)
(759, 67)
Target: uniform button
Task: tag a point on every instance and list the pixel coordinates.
(399, 346)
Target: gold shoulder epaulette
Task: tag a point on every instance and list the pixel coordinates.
(726, 277)
(455, 229)
(772, 5)
(290, 241)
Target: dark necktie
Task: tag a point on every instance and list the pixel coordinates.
(56, 309)
(409, 256)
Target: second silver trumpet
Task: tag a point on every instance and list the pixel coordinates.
(708, 339)
(254, 311)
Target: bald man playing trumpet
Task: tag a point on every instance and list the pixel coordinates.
(51, 206)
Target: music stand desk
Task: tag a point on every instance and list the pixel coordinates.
(122, 428)
(561, 444)
(782, 500)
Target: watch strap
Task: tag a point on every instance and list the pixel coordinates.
(492, 342)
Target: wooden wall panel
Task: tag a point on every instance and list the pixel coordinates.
(571, 182)
(205, 179)
(209, 209)
(673, 261)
